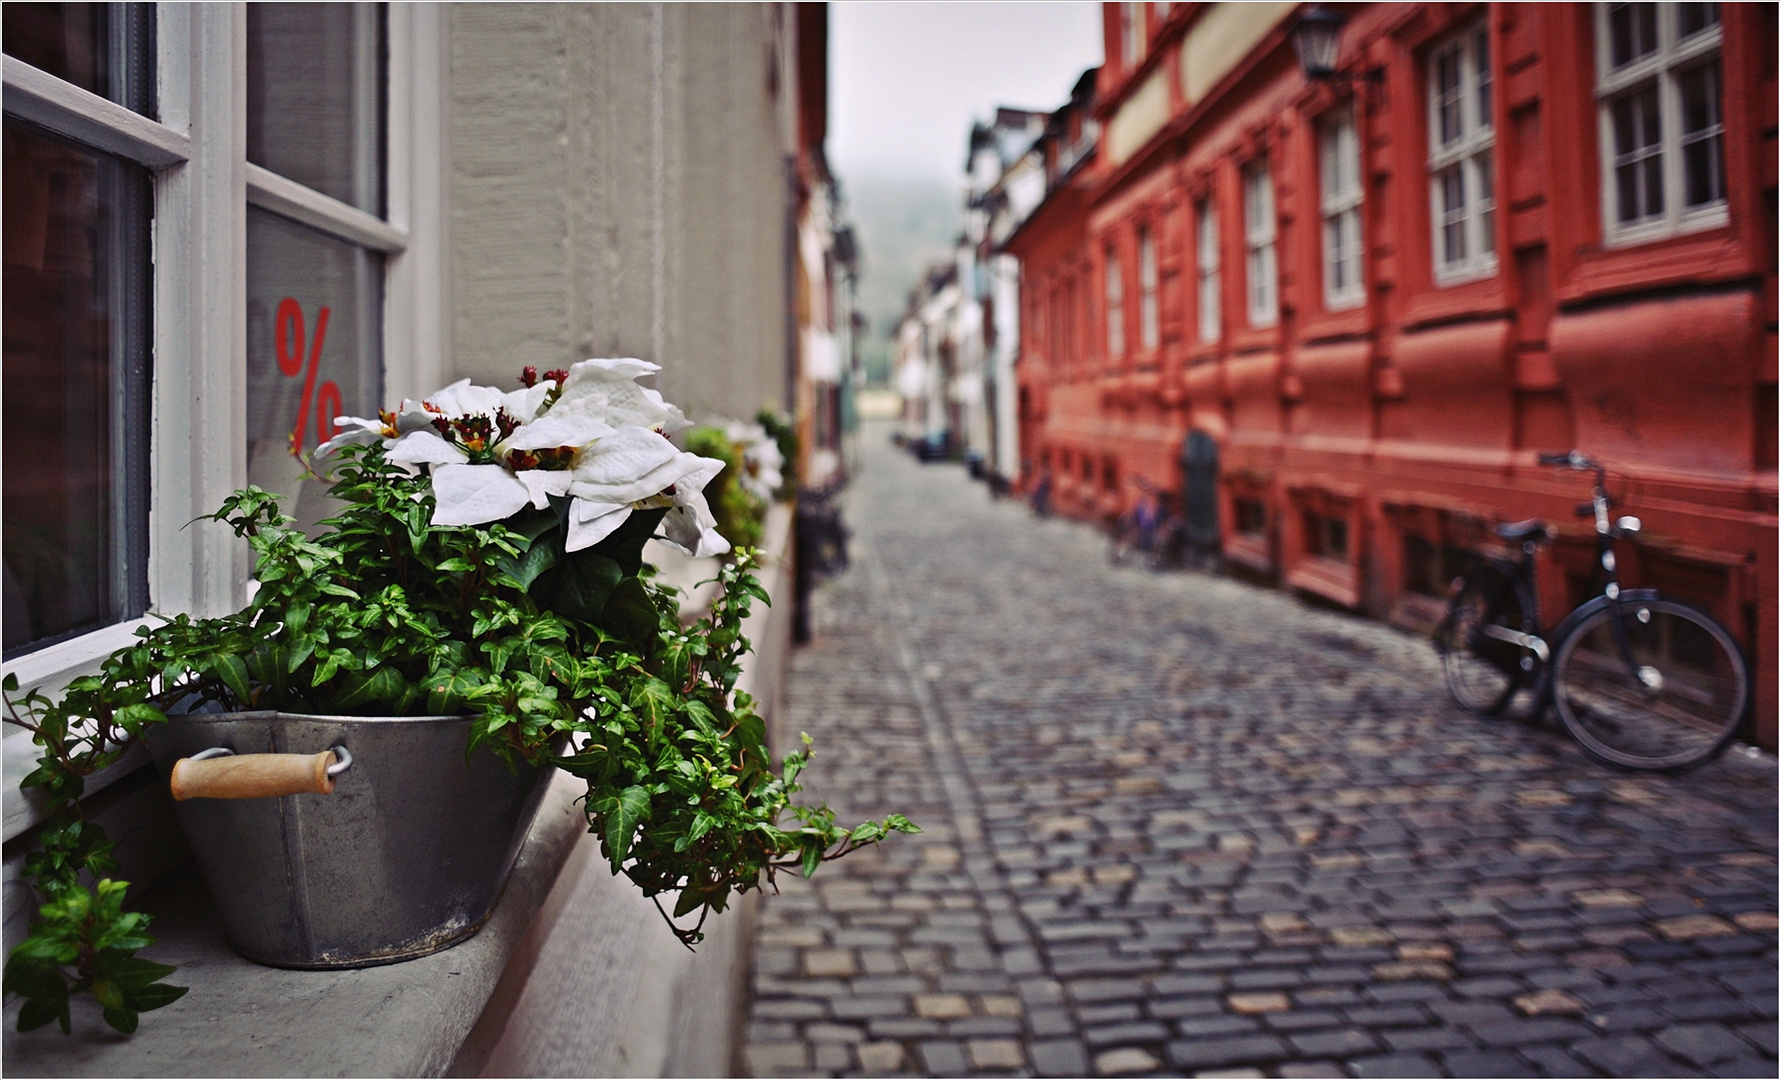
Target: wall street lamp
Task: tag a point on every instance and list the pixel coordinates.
(1316, 39)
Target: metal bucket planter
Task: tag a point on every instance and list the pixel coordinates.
(401, 852)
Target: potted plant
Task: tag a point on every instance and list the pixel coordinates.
(486, 562)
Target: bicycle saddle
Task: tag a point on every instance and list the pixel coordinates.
(1530, 529)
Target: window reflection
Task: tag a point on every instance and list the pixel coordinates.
(105, 49)
(314, 350)
(75, 389)
(315, 97)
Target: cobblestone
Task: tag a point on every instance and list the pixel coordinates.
(1179, 823)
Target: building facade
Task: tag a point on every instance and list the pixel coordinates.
(1356, 307)
(227, 224)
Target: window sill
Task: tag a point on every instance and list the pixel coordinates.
(1702, 257)
(1331, 579)
(244, 1019)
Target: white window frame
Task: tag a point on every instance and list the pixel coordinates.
(1338, 160)
(1207, 260)
(1260, 234)
(1113, 278)
(202, 186)
(1134, 35)
(1468, 159)
(1149, 315)
(1662, 70)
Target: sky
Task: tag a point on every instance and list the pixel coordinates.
(905, 82)
(907, 79)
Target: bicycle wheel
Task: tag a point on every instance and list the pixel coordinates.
(1651, 684)
(1482, 673)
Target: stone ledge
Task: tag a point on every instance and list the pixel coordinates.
(244, 1019)
(412, 1018)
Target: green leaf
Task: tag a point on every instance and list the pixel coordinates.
(631, 616)
(154, 996)
(40, 1011)
(447, 692)
(526, 568)
(812, 856)
(701, 716)
(625, 545)
(232, 670)
(622, 820)
(134, 717)
(578, 585)
(130, 972)
(122, 1019)
(691, 899)
(654, 702)
(385, 684)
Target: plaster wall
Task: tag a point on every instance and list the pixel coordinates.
(604, 204)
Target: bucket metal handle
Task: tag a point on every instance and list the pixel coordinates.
(219, 773)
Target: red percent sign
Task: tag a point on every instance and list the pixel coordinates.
(288, 335)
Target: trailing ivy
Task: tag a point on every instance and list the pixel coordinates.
(578, 658)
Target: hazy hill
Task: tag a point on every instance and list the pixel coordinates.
(904, 224)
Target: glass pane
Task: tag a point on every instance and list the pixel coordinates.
(75, 389)
(1705, 173)
(1486, 202)
(1652, 179)
(315, 97)
(105, 49)
(314, 350)
(1446, 80)
(1699, 99)
(1482, 44)
(1692, 18)
(1631, 32)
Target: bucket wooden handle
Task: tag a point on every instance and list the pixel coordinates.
(253, 776)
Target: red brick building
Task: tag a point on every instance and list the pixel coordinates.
(1499, 229)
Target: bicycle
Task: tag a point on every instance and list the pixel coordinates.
(1639, 681)
(1160, 540)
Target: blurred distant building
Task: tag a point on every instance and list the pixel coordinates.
(959, 341)
(1338, 316)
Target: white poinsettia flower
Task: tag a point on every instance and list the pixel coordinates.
(589, 434)
(762, 465)
(464, 398)
(691, 527)
(476, 494)
(626, 404)
(362, 431)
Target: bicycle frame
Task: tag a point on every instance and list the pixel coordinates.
(1532, 636)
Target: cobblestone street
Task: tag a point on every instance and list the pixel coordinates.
(1179, 824)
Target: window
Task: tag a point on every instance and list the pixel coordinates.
(1132, 36)
(1149, 319)
(78, 290)
(1461, 161)
(1115, 305)
(1325, 535)
(1339, 153)
(1258, 238)
(1205, 227)
(315, 116)
(1251, 516)
(124, 375)
(1661, 119)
